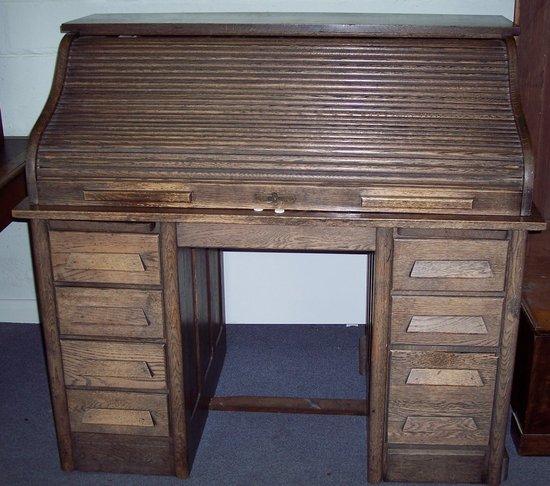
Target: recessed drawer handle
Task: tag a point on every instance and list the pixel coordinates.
(426, 425)
(108, 316)
(391, 202)
(451, 269)
(139, 196)
(120, 369)
(444, 377)
(125, 262)
(117, 417)
(448, 324)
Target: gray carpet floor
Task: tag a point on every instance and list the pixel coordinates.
(237, 448)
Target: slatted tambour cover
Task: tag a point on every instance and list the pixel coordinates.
(345, 124)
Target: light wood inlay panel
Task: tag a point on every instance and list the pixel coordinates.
(112, 412)
(451, 269)
(105, 257)
(114, 365)
(434, 395)
(447, 425)
(109, 416)
(110, 312)
(448, 324)
(453, 265)
(459, 321)
(443, 377)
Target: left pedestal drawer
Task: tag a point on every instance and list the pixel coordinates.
(118, 258)
(118, 412)
(102, 364)
(128, 313)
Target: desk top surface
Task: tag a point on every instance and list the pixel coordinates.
(295, 24)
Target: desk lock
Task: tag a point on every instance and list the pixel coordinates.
(274, 199)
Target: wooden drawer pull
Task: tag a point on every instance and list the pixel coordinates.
(139, 196)
(451, 269)
(377, 202)
(120, 369)
(444, 377)
(129, 262)
(109, 316)
(116, 417)
(426, 425)
(448, 324)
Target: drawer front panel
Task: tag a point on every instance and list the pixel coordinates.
(461, 321)
(305, 197)
(122, 454)
(454, 265)
(118, 412)
(105, 257)
(110, 312)
(114, 365)
(440, 398)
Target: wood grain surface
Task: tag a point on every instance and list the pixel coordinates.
(326, 123)
(293, 24)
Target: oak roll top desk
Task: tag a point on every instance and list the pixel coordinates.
(168, 138)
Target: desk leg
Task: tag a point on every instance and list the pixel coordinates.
(379, 354)
(503, 388)
(174, 358)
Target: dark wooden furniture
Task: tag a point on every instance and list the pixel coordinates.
(12, 176)
(531, 390)
(169, 138)
(534, 80)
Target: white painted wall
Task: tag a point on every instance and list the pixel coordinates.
(267, 288)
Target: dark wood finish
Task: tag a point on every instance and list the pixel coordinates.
(12, 176)
(438, 466)
(174, 346)
(440, 398)
(531, 387)
(354, 134)
(122, 454)
(321, 406)
(521, 123)
(350, 112)
(534, 81)
(50, 334)
(203, 350)
(294, 24)
(533, 222)
(99, 364)
(269, 236)
(47, 112)
(108, 258)
(529, 444)
(507, 352)
(378, 379)
(122, 313)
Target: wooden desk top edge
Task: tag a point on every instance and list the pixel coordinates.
(243, 216)
(295, 24)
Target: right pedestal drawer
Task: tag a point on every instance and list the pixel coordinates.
(453, 321)
(440, 397)
(449, 265)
